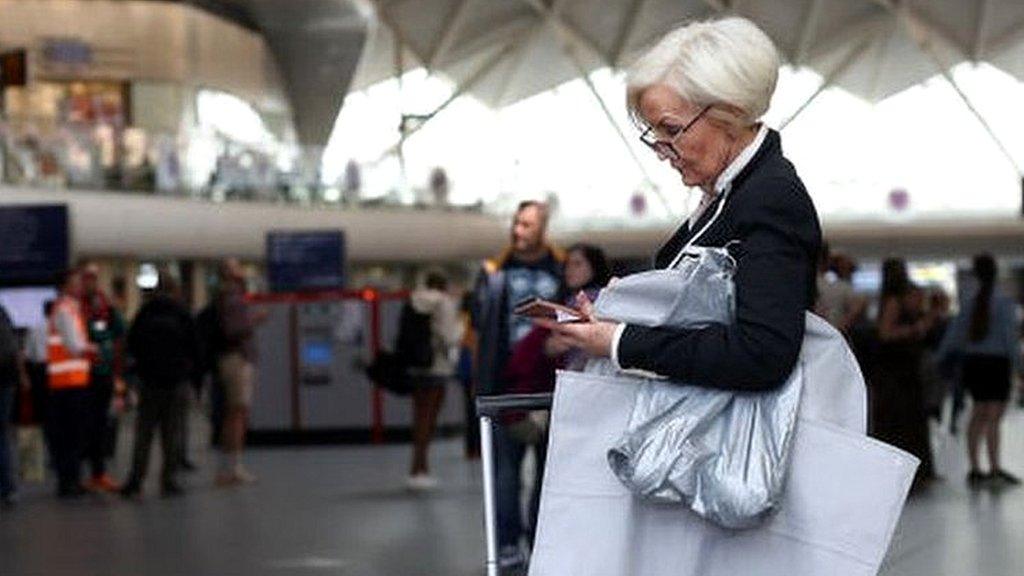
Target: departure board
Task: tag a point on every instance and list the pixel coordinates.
(33, 244)
(307, 260)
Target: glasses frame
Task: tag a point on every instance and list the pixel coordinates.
(667, 148)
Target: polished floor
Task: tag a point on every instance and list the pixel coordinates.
(344, 512)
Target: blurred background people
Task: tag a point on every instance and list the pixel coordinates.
(837, 301)
(432, 302)
(36, 343)
(465, 374)
(162, 341)
(13, 379)
(897, 391)
(529, 267)
(532, 365)
(236, 364)
(937, 382)
(106, 333)
(69, 364)
(984, 339)
(211, 344)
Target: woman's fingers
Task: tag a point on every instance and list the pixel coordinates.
(593, 337)
(584, 305)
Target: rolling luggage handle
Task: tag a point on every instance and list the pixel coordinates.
(488, 408)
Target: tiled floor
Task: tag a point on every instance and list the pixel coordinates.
(344, 512)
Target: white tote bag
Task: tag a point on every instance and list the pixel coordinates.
(841, 502)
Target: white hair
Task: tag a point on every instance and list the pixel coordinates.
(727, 61)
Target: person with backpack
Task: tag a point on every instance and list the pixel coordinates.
(12, 378)
(429, 333)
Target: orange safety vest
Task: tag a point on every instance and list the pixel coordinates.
(64, 370)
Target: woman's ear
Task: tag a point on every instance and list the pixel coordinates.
(730, 118)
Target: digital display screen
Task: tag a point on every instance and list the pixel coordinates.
(25, 305)
(317, 353)
(33, 244)
(305, 261)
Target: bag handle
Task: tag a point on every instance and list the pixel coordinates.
(695, 237)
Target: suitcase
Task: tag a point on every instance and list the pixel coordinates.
(488, 409)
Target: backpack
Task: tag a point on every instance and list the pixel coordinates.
(414, 347)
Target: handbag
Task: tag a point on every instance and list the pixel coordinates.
(837, 513)
(390, 373)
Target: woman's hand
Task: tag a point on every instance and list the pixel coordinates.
(591, 335)
(556, 345)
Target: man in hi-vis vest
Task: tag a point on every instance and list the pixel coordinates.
(68, 365)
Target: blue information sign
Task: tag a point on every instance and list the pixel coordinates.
(33, 244)
(307, 260)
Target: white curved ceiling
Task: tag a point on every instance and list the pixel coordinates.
(505, 50)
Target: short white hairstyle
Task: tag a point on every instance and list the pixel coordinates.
(726, 61)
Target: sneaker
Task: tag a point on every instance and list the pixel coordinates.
(102, 483)
(225, 479)
(976, 478)
(1006, 477)
(421, 482)
(244, 476)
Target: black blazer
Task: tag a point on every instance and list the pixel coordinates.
(770, 214)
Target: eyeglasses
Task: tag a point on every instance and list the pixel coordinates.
(662, 141)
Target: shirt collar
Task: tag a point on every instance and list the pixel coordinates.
(725, 179)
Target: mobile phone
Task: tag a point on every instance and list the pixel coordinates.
(537, 307)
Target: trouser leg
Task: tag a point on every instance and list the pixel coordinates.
(472, 424)
(508, 460)
(68, 412)
(181, 445)
(147, 420)
(7, 397)
(101, 392)
(170, 433)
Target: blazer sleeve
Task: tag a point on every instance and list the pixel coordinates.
(779, 236)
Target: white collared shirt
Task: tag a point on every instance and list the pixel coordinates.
(724, 182)
(722, 186)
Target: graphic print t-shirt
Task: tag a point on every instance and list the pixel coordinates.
(524, 280)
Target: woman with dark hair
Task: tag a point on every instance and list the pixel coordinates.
(586, 269)
(898, 414)
(984, 338)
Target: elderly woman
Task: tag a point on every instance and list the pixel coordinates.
(698, 96)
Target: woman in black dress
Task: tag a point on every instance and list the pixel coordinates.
(898, 414)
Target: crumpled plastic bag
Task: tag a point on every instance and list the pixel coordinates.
(722, 454)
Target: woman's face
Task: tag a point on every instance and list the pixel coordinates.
(578, 272)
(704, 150)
